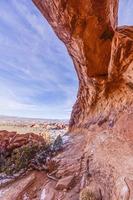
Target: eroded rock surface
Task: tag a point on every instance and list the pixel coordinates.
(14, 190)
(11, 140)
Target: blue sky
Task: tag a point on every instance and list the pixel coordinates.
(37, 77)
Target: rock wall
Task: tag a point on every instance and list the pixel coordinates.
(102, 54)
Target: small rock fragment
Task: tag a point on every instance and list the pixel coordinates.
(65, 183)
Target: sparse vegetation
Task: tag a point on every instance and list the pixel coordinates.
(29, 155)
(87, 194)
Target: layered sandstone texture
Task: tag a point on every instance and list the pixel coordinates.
(102, 54)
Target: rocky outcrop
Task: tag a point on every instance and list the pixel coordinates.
(101, 53)
(11, 140)
(100, 154)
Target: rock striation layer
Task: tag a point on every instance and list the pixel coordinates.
(102, 54)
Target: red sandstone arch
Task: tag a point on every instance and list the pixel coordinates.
(101, 52)
(102, 153)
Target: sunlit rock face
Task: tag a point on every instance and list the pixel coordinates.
(102, 54)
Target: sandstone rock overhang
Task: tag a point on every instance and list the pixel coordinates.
(102, 54)
(86, 27)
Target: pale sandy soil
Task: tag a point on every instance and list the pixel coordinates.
(21, 128)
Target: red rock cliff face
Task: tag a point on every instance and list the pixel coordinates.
(102, 54)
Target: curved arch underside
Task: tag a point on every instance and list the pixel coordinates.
(102, 54)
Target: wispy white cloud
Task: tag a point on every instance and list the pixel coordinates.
(36, 74)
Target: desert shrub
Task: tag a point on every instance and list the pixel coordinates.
(90, 194)
(30, 155)
(19, 159)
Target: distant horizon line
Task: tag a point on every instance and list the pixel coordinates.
(34, 118)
